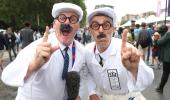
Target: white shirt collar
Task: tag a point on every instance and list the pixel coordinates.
(62, 47)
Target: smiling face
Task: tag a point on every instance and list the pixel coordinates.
(101, 28)
(66, 30)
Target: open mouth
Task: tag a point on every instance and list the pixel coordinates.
(65, 33)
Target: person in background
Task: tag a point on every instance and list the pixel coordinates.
(130, 37)
(86, 36)
(40, 69)
(116, 71)
(136, 31)
(151, 32)
(2, 44)
(26, 35)
(78, 36)
(119, 33)
(164, 56)
(144, 40)
(155, 61)
(132, 29)
(18, 40)
(10, 40)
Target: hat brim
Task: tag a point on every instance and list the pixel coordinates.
(66, 7)
(105, 11)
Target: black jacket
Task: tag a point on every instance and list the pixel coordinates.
(10, 39)
(2, 42)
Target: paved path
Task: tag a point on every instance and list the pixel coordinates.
(9, 93)
(6, 92)
(150, 92)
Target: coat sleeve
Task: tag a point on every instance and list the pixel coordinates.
(164, 39)
(145, 78)
(82, 69)
(83, 79)
(15, 72)
(91, 85)
(90, 81)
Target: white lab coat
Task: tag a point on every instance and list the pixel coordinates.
(46, 83)
(119, 81)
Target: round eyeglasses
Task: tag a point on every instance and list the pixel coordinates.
(72, 19)
(106, 25)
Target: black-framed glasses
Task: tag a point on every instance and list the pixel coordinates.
(72, 19)
(106, 25)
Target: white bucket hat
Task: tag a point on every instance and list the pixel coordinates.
(60, 7)
(105, 11)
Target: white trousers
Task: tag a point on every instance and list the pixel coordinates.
(129, 96)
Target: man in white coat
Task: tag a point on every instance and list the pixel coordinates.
(116, 71)
(39, 69)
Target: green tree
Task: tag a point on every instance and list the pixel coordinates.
(16, 12)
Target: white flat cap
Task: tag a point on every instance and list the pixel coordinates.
(60, 7)
(105, 11)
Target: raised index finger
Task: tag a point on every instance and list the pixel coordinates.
(45, 36)
(124, 38)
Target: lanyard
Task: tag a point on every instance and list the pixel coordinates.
(73, 53)
(94, 50)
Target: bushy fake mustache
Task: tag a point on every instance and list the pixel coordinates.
(101, 35)
(65, 28)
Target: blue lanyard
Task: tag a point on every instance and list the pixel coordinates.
(73, 53)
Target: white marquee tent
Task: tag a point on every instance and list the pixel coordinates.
(151, 19)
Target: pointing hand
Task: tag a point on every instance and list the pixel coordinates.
(130, 55)
(43, 52)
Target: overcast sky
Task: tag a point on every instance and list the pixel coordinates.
(123, 7)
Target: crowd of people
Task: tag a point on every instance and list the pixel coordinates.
(13, 41)
(153, 43)
(112, 62)
(143, 37)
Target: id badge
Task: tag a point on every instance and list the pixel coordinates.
(113, 79)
